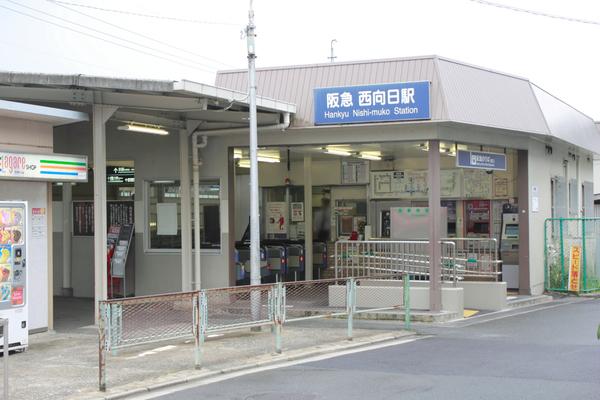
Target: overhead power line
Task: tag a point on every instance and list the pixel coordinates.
(537, 13)
(61, 4)
(137, 14)
(105, 40)
(189, 63)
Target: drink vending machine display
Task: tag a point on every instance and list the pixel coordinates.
(13, 271)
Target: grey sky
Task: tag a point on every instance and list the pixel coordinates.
(559, 56)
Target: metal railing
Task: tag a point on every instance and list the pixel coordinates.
(462, 258)
(355, 258)
(477, 257)
(149, 319)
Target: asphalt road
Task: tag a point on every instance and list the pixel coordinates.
(551, 353)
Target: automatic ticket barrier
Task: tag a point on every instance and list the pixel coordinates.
(509, 246)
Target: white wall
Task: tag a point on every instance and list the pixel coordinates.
(542, 167)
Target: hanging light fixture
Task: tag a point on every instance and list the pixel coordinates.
(143, 128)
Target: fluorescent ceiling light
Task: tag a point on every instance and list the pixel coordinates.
(268, 159)
(370, 156)
(337, 152)
(243, 164)
(153, 129)
(237, 154)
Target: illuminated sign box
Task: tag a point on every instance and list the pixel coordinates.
(481, 160)
(387, 102)
(43, 167)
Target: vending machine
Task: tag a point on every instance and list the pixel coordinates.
(13, 272)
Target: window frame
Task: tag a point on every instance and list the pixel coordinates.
(148, 249)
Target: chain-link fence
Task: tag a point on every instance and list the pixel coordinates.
(572, 254)
(194, 315)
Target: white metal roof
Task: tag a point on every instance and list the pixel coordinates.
(53, 116)
(460, 92)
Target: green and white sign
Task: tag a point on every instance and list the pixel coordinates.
(43, 167)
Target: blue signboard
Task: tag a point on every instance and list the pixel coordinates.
(372, 103)
(481, 160)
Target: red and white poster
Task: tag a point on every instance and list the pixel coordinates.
(276, 214)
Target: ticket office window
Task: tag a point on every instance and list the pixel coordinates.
(164, 215)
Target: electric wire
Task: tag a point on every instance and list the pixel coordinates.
(200, 65)
(137, 14)
(105, 40)
(537, 13)
(61, 4)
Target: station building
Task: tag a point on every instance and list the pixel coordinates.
(343, 148)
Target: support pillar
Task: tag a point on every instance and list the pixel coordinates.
(523, 203)
(435, 214)
(308, 230)
(101, 114)
(186, 211)
(67, 198)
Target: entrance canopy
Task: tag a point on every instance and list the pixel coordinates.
(168, 104)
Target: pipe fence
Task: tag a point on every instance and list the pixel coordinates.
(195, 315)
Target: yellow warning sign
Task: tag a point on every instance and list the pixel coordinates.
(469, 313)
(575, 269)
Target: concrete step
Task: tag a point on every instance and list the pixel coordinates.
(526, 301)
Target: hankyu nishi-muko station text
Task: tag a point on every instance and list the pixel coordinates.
(368, 98)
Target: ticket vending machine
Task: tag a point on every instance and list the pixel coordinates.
(13, 272)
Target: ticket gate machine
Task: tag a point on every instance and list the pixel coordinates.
(509, 246)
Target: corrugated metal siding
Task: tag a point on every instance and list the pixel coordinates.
(481, 97)
(296, 84)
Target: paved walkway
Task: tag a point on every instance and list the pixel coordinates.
(64, 364)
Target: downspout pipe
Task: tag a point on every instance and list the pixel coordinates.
(196, 277)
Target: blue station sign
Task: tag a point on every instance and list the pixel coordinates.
(372, 103)
(481, 160)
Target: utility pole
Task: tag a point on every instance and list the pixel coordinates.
(254, 213)
(332, 57)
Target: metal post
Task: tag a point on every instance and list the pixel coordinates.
(67, 196)
(200, 303)
(186, 225)
(562, 255)
(435, 288)
(406, 300)
(350, 305)
(254, 212)
(101, 347)
(196, 192)
(278, 310)
(101, 114)
(308, 222)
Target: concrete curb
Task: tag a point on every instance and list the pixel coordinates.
(269, 360)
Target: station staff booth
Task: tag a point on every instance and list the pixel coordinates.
(28, 166)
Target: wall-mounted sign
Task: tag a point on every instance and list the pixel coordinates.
(120, 174)
(117, 213)
(43, 167)
(297, 212)
(276, 218)
(481, 160)
(372, 103)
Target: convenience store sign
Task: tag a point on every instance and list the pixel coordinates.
(43, 167)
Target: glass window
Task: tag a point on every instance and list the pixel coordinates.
(164, 214)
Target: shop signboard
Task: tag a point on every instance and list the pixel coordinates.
(387, 102)
(481, 160)
(43, 167)
(575, 269)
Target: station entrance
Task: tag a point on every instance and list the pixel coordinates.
(374, 192)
